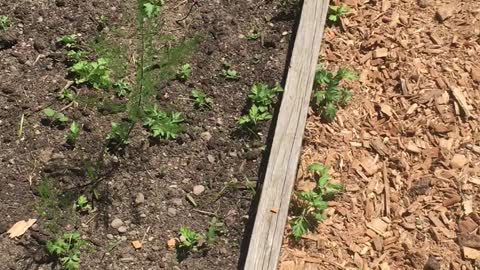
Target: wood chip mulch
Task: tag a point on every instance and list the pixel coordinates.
(407, 148)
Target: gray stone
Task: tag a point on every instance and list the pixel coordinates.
(116, 223)
(177, 201)
(206, 136)
(198, 189)
(122, 229)
(172, 211)
(139, 199)
(211, 159)
(110, 236)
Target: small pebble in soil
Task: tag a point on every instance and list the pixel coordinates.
(211, 159)
(172, 212)
(122, 229)
(198, 189)
(116, 223)
(110, 236)
(206, 136)
(140, 198)
(177, 201)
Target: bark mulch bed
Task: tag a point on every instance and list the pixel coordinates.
(407, 148)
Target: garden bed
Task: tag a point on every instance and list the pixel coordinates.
(147, 190)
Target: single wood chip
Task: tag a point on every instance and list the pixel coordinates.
(20, 227)
(136, 244)
(380, 53)
(378, 145)
(471, 253)
(274, 210)
(474, 180)
(462, 101)
(368, 164)
(378, 225)
(458, 161)
(386, 109)
(468, 206)
(475, 73)
(444, 12)
(171, 244)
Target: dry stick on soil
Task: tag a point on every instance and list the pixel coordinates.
(386, 185)
(267, 235)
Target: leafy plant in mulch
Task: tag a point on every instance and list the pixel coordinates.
(73, 133)
(329, 95)
(184, 72)
(201, 100)
(162, 124)
(191, 241)
(95, 73)
(335, 13)
(67, 250)
(310, 206)
(262, 98)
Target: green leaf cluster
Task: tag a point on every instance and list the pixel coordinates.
(262, 97)
(314, 203)
(5, 22)
(118, 136)
(201, 100)
(330, 95)
(82, 204)
(336, 12)
(73, 133)
(162, 124)
(188, 239)
(67, 249)
(56, 117)
(95, 73)
(184, 72)
(68, 41)
(230, 74)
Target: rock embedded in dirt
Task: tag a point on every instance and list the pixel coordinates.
(60, 3)
(177, 201)
(122, 229)
(110, 236)
(116, 223)
(198, 189)
(172, 211)
(206, 136)
(8, 90)
(7, 41)
(211, 159)
(140, 198)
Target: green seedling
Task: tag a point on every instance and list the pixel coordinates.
(312, 204)
(68, 41)
(67, 249)
(5, 23)
(82, 204)
(335, 13)
(230, 74)
(184, 72)
(94, 73)
(73, 133)
(264, 96)
(76, 56)
(162, 124)
(330, 95)
(216, 228)
(67, 95)
(118, 135)
(201, 100)
(56, 117)
(255, 115)
(151, 8)
(122, 88)
(253, 35)
(189, 240)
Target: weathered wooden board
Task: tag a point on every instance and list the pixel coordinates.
(267, 235)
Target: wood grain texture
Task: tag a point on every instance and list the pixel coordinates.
(267, 235)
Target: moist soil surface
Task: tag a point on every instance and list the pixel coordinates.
(146, 185)
(406, 149)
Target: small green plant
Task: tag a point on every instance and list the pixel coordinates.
(201, 100)
(184, 72)
(230, 74)
(336, 12)
(255, 115)
(55, 117)
(118, 136)
(95, 73)
(189, 240)
(162, 124)
(330, 95)
(67, 249)
(73, 133)
(253, 35)
(122, 88)
(151, 9)
(82, 204)
(216, 228)
(76, 56)
(5, 22)
(312, 204)
(262, 97)
(68, 41)
(67, 95)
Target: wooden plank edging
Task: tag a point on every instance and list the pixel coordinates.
(266, 239)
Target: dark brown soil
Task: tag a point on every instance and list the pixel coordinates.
(33, 71)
